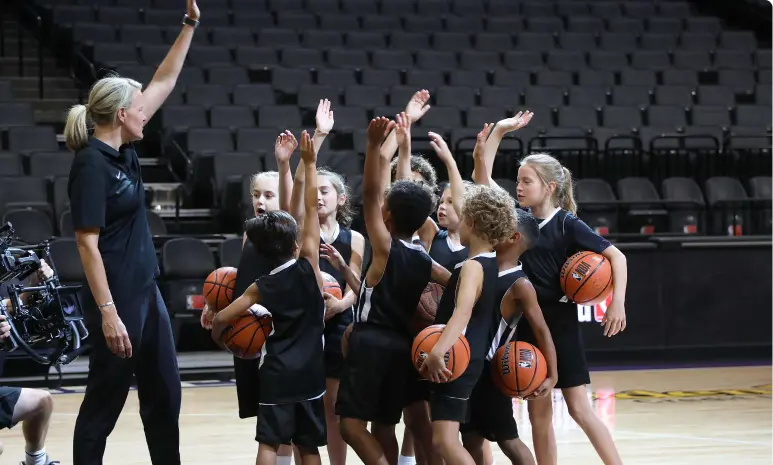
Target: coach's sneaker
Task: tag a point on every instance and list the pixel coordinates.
(47, 461)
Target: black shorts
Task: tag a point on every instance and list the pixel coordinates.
(564, 327)
(417, 389)
(8, 398)
(373, 382)
(491, 412)
(450, 401)
(302, 423)
(334, 364)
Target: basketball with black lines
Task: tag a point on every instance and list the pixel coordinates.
(427, 307)
(218, 288)
(518, 369)
(586, 278)
(245, 335)
(457, 357)
(330, 285)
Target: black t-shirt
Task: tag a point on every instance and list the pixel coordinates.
(292, 366)
(335, 327)
(391, 302)
(106, 192)
(561, 236)
(444, 252)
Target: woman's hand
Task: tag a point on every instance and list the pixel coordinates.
(193, 10)
(116, 336)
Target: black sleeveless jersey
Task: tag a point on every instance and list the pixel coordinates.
(292, 366)
(391, 302)
(561, 236)
(335, 327)
(443, 252)
(501, 331)
(251, 267)
(478, 330)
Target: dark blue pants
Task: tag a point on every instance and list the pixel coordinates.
(154, 362)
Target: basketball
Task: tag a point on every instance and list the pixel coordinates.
(345, 339)
(518, 369)
(245, 335)
(331, 286)
(427, 307)
(457, 358)
(219, 288)
(586, 278)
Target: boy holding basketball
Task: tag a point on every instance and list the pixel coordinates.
(466, 308)
(292, 368)
(491, 411)
(379, 345)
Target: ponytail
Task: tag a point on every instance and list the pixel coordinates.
(76, 130)
(566, 196)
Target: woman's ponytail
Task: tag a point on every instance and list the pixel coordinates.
(76, 130)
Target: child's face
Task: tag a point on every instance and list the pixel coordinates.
(446, 214)
(328, 199)
(531, 191)
(264, 195)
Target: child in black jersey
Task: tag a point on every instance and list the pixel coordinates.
(292, 368)
(545, 187)
(488, 218)
(379, 344)
(491, 411)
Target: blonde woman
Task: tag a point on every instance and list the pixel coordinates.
(129, 324)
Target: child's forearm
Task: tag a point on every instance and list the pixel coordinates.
(451, 332)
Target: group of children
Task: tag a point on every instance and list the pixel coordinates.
(492, 256)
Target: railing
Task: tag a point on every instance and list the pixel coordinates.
(28, 18)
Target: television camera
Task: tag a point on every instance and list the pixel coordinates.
(46, 319)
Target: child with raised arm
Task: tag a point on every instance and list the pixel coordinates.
(292, 368)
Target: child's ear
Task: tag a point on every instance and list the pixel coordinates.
(341, 200)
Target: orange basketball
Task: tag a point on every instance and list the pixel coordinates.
(219, 288)
(427, 307)
(518, 369)
(586, 278)
(345, 339)
(331, 286)
(245, 335)
(457, 358)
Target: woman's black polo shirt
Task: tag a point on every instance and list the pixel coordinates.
(106, 192)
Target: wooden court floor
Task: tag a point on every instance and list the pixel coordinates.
(688, 416)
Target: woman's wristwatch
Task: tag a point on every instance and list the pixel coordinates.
(190, 22)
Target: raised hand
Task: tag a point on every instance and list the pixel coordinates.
(378, 129)
(193, 10)
(440, 147)
(333, 256)
(308, 154)
(403, 131)
(520, 120)
(284, 146)
(418, 106)
(324, 117)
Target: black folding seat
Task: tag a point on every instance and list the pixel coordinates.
(493, 41)
(50, 164)
(430, 59)
(733, 59)
(621, 117)
(208, 55)
(255, 20)
(338, 22)
(637, 96)
(478, 116)
(67, 262)
(592, 77)
(24, 192)
(513, 79)
(715, 95)
(729, 206)
(392, 59)
(584, 116)
(186, 262)
(340, 58)
(466, 7)
(716, 115)
(674, 95)
(469, 78)
(567, 61)
(618, 42)
(502, 97)
(535, 41)
(156, 224)
(336, 78)
(348, 118)
(680, 77)
(90, 34)
(399, 96)
(420, 23)
(482, 61)
(442, 119)
(289, 81)
(365, 96)
(112, 54)
(577, 41)
(208, 141)
(31, 139)
(32, 226)
(546, 24)
(230, 252)
(141, 34)
(285, 5)
(740, 81)
(760, 190)
(544, 96)
(644, 213)
(549, 78)
(295, 20)
(379, 77)
(229, 167)
(665, 25)
(706, 24)
(277, 37)
(762, 95)
(313, 38)
(586, 24)
(452, 41)
(412, 41)
(232, 37)
(605, 9)
(207, 95)
(737, 40)
(505, 24)
(466, 24)
(118, 15)
(279, 117)
(595, 96)
(365, 40)
(692, 59)
(258, 139)
(537, 9)
(592, 195)
(627, 25)
(161, 17)
(637, 77)
(6, 93)
(523, 60)
(459, 97)
(383, 24)
(698, 41)
(177, 119)
(228, 76)
(686, 205)
(63, 15)
(153, 55)
(231, 117)
(763, 58)
(16, 114)
(309, 96)
(328, 6)
(11, 164)
(345, 163)
(639, 9)
(608, 60)
(61, 197)
(651, 60)
(752, 116)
